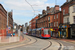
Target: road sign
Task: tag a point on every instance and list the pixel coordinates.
(9, 28)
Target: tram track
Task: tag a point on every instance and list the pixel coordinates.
(50, 43)
(29, 42)
(60, 46)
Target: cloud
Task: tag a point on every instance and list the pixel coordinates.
(18, 22)
(22, 8)
(22, 5)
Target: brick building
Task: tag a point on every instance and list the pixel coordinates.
(30, 25)
(68, 19)
(61, 23)
(10, 20)
(3, 17)
(33, 23)
(3, 20)
(65, 10)
(51, 18)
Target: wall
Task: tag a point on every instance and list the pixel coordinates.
(71, 14)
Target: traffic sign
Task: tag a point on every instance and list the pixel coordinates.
(9, 28)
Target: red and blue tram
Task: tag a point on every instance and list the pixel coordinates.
(41, 32)
(34, 32)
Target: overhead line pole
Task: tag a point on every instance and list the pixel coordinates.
(7, 21)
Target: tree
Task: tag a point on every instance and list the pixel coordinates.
(27, 28)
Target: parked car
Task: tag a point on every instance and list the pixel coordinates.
(25, 33)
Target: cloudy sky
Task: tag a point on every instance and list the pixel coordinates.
(22, 11)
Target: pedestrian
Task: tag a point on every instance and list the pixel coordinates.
(14, 34)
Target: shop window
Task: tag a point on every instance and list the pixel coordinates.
(73, 8)
(73, 30)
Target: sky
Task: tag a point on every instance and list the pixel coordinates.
(22, 11)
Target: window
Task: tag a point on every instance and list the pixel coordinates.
(73, 8)
(45, 31)
(49, 25)
(54, 24)
(57, 15)
(57, 23)
(74, 19)
(68, 19)
(64, 12)
(54, 16)
(49, 18)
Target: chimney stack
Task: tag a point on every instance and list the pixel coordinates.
(48, 8)
(68, 0)
(56, 8)
(43, 12)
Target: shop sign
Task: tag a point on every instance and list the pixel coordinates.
(51, 29)
(64, 26)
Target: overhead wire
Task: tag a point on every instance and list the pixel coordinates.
(31, 6)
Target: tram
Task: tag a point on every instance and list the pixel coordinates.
(34, 32)
(41, 32)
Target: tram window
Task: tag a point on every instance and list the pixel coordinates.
(41, 31)
(37, 32)
(46, 31)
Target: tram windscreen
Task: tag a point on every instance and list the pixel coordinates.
(46, 31)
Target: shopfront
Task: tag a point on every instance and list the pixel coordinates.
(55, 32)
(51, 29)
(72, 31)
(64, 31)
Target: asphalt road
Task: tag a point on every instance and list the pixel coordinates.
(33, 43)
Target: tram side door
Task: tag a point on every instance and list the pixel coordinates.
(42, 32)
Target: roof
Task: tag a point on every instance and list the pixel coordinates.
(67, 2)
(3, 7)
(72, 4)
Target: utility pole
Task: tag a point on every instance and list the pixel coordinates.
(55, 2)
(7, 21)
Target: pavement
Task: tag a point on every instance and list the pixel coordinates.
(32, 43)
(11, 40)
(65, 40)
